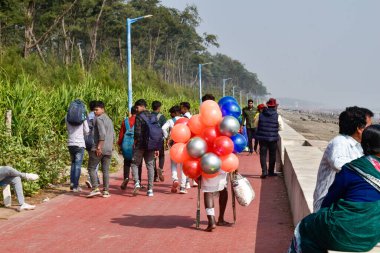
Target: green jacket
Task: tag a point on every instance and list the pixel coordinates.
(248, 116)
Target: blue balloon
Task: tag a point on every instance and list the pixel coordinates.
(240, 142)
(230, 109)
(227, 99)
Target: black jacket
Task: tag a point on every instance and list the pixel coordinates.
(268, 127)
(141, 131)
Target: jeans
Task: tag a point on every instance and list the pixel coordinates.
(148, 156)
(93, 162)
(8, 175)
(251, 134)
(266, 146)
(76, 155)
(175, 174)
(127, 169)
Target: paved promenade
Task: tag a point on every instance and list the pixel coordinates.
(163, 223)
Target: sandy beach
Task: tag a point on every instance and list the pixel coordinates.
(314, 126)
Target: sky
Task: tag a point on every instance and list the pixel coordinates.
(325, 51)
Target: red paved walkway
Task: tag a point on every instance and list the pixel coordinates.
(164, 223)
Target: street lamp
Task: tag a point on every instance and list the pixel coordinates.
(130, 21)
(240, 97)
(224, 86)
(200, 79)
(233, 91)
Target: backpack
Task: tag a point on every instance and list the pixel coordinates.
(128, 140)
(76, 113)
(155, 134)
(89, 139)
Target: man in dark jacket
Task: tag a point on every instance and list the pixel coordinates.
(268, 124)
(141, 148)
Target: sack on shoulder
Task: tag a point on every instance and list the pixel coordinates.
(243, 190)
(76, 113)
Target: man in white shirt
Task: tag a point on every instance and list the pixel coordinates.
(342, 149)
(185, 109)
(175, 113)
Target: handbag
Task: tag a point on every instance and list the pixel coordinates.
(243, 190)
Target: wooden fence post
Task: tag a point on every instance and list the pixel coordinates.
(8, 122)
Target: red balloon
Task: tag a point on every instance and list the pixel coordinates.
(223, 145)
(195, 124)
(209, 134)
(205, 175)
(192, 168)
(230, 162)
(180, 133)
(182, 121)
(178, 153)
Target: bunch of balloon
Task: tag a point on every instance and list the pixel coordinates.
(209, 141)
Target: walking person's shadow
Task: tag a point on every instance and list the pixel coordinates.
(155, 221)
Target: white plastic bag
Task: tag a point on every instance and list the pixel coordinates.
(243, 190)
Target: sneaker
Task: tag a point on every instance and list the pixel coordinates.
(31, 176)
(136, 189)
(78, 189)
(88, 183)
(25, 206)
(71, 187)
(149, 193)
(106, 194)
(195, 184)
(263, 176)
(95, 192)
(188, 185)
(160, 175)
(123, 185)
(182, 190)
(272, 174)
(174, 186)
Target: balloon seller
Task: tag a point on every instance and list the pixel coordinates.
(209, 151)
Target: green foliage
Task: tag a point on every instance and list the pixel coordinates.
(39, 97)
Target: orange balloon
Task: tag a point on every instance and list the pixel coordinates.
(178, 153)
(230, 162)
(195, 124)
(180, 133)
(209, 175)
(211, 116)
(206, 105)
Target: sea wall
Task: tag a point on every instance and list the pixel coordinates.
(299, 163)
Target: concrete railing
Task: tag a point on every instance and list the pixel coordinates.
(300, 160)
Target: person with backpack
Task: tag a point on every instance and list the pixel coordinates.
(89, 139)
(175, 113)
(156, 111)
(148, 138)
(77, 128)
(126, 143)
(102, 150)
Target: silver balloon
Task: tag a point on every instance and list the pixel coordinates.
(196, 147)
(210, 163)
(229, 126)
